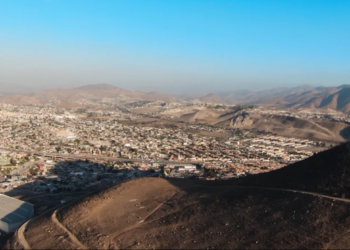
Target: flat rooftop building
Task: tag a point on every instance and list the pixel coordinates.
(13, 213)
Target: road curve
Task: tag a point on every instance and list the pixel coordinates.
(20, 231)
(20, 236)
(70, 235)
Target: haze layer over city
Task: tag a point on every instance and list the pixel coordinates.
(174, 124)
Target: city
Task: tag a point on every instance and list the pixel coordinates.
(78, 148)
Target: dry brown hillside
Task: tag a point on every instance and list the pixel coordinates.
(287, 126)
(322, 97)
(304, 205)
(89, 92)
(19, 99)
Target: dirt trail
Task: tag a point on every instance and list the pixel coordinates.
(20, 231)
(294, 191)
(20, 236)
(326, 245)
(71, 236)
(107, 241)
(329, 244)
(159, 206)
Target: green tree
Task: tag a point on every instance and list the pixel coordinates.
(13, 162)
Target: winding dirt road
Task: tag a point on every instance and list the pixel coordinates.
(70, 235)
(20, 236)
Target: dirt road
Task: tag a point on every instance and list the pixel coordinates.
(71, 236)
(20, 236)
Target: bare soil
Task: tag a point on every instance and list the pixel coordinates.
(45, 234)
(157, 213)
(304, 205)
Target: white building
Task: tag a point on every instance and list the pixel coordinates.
(13, 213)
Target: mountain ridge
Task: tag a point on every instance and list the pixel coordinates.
(305, 96)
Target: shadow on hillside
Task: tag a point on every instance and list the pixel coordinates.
(65, 181)
(326, 172)
(3, 240)
(345, 133)
(53, 184)
(255, 212)
(244, 212)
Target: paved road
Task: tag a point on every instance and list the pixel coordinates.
(20, 170)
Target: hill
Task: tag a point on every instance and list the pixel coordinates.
(327, 172)
(288, 126)
(313, 129)
(102, 86)
(88, 92)
(336, 98)
(213, 98)
(19, 99)
(294, 207)
(250, 96)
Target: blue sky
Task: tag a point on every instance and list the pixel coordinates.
(192, 46)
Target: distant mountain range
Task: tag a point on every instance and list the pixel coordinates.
(337, 98)
(87, 92)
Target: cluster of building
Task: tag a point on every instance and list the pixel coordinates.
(48, 130)
(46, 148)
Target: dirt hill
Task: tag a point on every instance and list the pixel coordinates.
(336, 98)
(286, 126)
(19, 99)
(294, 207)
(327, 172)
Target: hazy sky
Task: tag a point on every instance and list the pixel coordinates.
(178, 46)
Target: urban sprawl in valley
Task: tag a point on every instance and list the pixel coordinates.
(69, 149)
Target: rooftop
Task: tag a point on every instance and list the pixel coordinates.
(13, 210)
